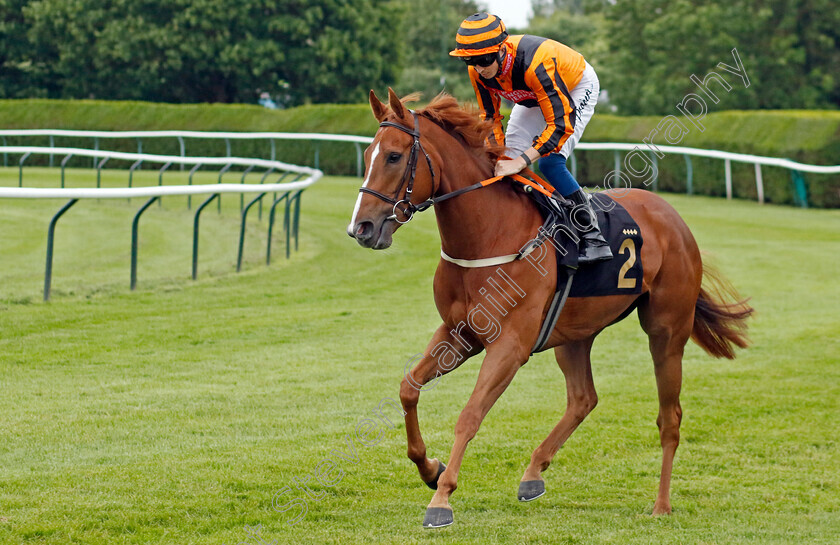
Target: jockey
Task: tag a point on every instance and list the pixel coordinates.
(555, 91)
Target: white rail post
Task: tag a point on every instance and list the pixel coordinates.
(759, 184)
(728, 168)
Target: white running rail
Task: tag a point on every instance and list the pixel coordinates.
(616, 146)
(290, 192)
(155, 191)
(653, 149)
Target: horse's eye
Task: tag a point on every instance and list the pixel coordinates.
(394, 157)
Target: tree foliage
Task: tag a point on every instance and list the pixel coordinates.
(429, 34)
(336, 50)
(199, 50)
(790, 49)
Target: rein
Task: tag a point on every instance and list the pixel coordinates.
(411, 171)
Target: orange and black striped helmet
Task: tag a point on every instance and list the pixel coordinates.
(479, 34)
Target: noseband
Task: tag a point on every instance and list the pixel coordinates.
(408, 208)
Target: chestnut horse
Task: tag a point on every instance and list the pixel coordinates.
(440, 150)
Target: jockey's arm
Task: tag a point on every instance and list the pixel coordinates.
(556, 109)
(490, 105)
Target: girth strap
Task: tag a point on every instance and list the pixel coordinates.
(554, 310)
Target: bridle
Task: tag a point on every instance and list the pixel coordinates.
(410, 173)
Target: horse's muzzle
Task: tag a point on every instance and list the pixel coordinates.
(369, 235)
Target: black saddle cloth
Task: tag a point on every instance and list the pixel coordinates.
(622, 274)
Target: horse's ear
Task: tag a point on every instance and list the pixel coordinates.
(380, 110)
(397, 106)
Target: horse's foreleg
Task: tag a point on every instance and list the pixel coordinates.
(581, 398)
(498, 369)
(442, 355)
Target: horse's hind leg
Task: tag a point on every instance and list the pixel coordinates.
(668, 322)
(581, 398)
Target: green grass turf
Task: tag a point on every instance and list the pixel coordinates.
(173, 414)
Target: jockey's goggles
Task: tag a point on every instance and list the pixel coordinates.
(481, 60)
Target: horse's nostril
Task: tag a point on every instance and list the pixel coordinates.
(363, 231)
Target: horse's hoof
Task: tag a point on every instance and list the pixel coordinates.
(663, 510)
(433, 483)
(438, 517)
(530, 490)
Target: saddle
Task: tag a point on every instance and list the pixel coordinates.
(620, 275)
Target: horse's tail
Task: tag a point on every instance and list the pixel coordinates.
(719, 325)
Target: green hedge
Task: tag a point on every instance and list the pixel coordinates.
(335, 158)
(811, 137)
(806, 136)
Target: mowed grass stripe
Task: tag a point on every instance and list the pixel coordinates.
(175, 413)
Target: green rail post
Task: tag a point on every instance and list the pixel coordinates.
(281, 179)
(264, 176)
(800, 191)
(296, 220)
(222, 173)
(96, 148)
(242, 195)
(135, 224)
(160, 179)
(359, 171)
(99, 171)
(195, 234)
(317, 154)
(287, 226)
(52, 145)
(50, 241)
(574, 165)
(689, 186)
(616, 168)
(5, 155)
(271, 226)
(136, 164)
(183, 150)
(655, 171)
(242, 230)
(20, 168)
(64, 164)
(189, 182)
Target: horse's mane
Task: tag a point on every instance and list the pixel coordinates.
(463, 123)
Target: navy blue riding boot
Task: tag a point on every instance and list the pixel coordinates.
(594, 247)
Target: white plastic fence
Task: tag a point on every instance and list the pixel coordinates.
(654, 149)
(113, 193)
(290, 191)
(727, 157)
(207, 135)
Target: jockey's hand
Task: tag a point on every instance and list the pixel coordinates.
(508, 167)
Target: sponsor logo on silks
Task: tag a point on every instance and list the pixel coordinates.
(583, 104)
(516, 95)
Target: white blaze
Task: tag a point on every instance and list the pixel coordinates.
(359, 200)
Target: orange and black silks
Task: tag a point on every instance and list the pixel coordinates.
(536, 72)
